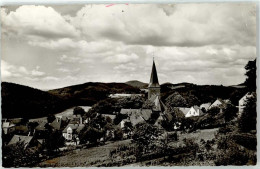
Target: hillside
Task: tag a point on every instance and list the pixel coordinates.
(138, 84)
(203, 93)
(27, 102)
(90, 93)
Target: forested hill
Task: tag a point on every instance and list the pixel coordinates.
(27, 102)
(199, 94)
(92, 92)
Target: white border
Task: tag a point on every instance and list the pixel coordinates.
(63, 2)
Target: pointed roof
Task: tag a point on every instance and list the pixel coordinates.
(20, 139)
(154, 78)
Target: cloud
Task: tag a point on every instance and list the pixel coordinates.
(37, 21)
(11, 71)
(170, 25)
(121, 58)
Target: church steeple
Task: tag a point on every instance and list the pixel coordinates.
(154, 78)
(153, 87)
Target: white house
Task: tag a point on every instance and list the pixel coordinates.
(8, 127)
(71, 131)
(242, 101)
(194, 111)
(219, 103)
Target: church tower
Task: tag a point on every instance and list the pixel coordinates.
(153, 87)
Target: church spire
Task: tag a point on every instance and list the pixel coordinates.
(154, 78)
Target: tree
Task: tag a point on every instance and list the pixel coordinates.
(214, 111)
(79, 110)
(230, 112)
(176, 100)
(250, 81)
(17, 156)
(247, 121)
(54, 141)
(146, 137)
(90, 134)
(50, 118)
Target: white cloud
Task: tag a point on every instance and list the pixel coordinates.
(37, 73)
(121, 58)
(38, 21)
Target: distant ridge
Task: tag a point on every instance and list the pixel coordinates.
(26, 102)
(138, 84)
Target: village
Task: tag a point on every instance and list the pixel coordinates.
(79, 128)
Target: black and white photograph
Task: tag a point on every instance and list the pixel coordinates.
(129, 85)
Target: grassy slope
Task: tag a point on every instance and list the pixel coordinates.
(99, 155)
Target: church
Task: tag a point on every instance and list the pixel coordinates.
(136, 116)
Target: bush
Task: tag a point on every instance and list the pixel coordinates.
(247, 121)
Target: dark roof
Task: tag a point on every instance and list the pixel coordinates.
(184, 110)
(41, 126)
(128, 111)
(74, 127)
(146, 114)
(154, 78)
(56, 124)
(21, 128)
(20, 139)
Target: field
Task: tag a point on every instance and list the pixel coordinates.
(97, 156)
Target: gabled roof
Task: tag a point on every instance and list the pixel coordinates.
(41, 126)
(20, 139)
(146, 114)
(22, 128)
(56, 124)
(7, 125)
(154, 78)
(74, 127)
(159, 105)
(205, 105)
(128, 111)
(184, 110)
(135, 119)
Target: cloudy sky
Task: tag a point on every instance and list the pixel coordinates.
(55, 46)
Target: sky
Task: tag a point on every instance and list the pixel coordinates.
(49, 47)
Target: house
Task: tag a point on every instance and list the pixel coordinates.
(42, 126)
(72, 131)
(194, 111)
(164, 116)
(8, 127)
(242, 102)
(58, 124)
(27, 141)
(75, 119)
(219, 103)
(205, 106)
(21, 130)
(184, 110)
(137, 115)
(16, 120)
